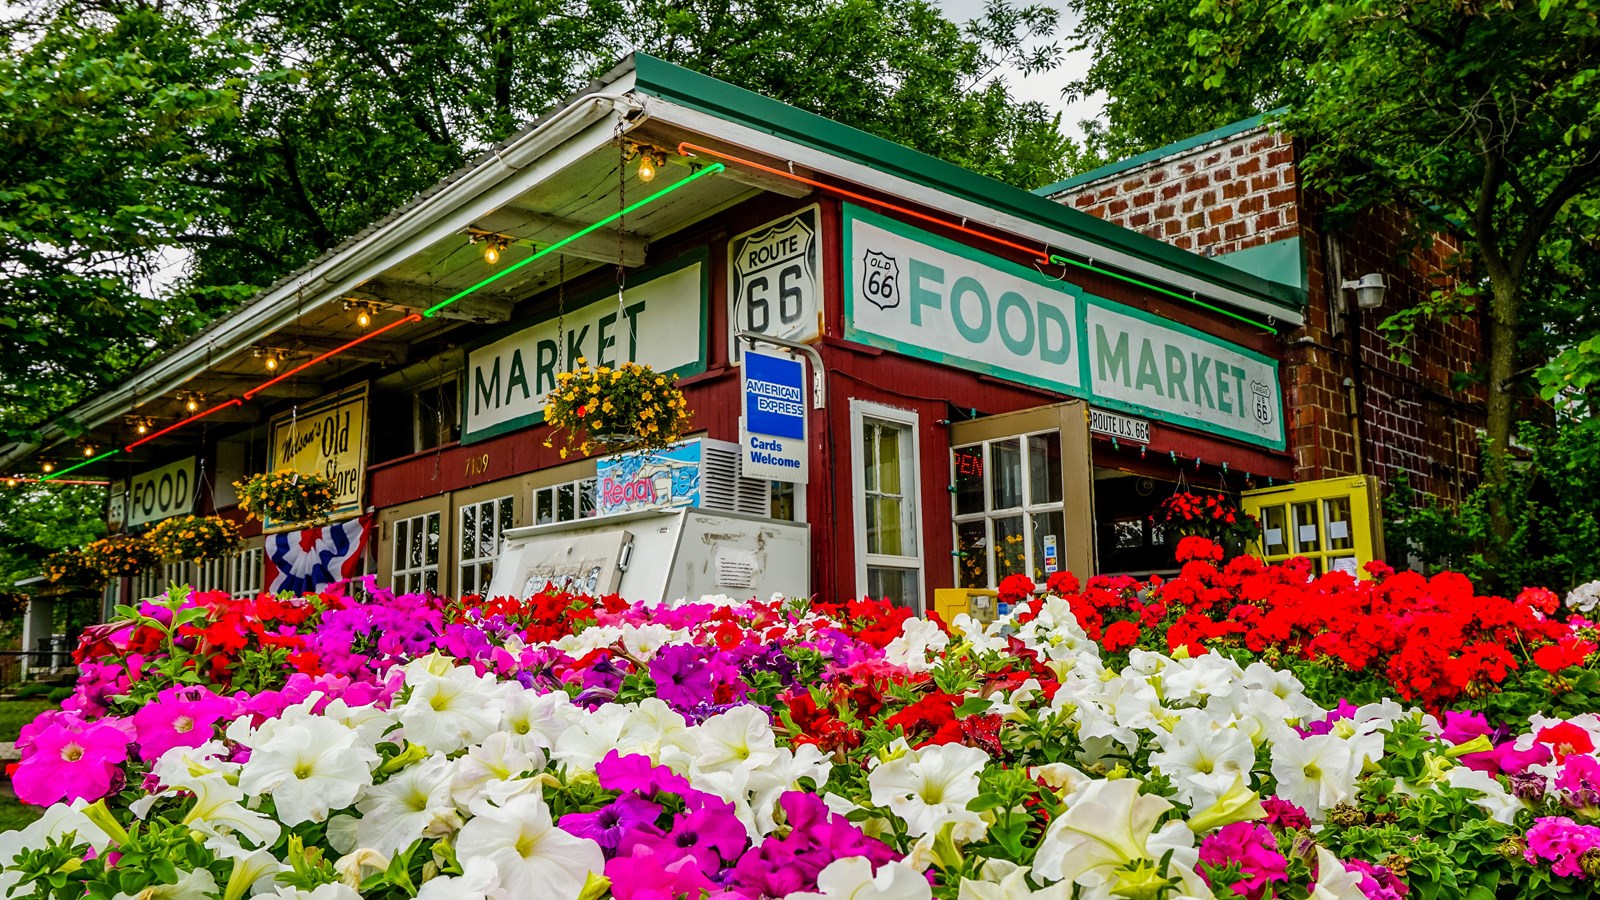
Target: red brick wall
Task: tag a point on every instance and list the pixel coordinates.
(1242, 191)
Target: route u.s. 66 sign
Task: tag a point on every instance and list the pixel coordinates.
(775, 278)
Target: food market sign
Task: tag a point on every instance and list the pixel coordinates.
(161, 493)
(925, 296)
(327, 437)
(660, 321)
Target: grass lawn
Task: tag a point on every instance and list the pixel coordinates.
(13, 715)
(16, 713)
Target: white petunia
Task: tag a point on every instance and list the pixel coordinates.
(334, 891)
(926, 786)
(448, 712)
(1005, 880)
(852, 878)
(1106, 836)
(1316, 772)
(918, 638)
(1203, 760)
(414, 803)
(532, 857)
(309, 768)
(479, 880)
(219, 813)
(739, 738)
(500, 757)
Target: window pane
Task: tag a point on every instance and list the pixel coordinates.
(883, 526)
(487, 533)
(430, 581)
(1049, 544)
(891, 439)
(469, 580)
(972, 565)
(1010, 547)
(1338, 519)
(869, 456)
(896, 585)
(433, 539)
(1305, 528)
(566, 503)
(485, 575)
(1044, 468)
(544, 506)
(507, 517)
(418, 538)
(588, 498)
(469, 532)
(968, 465)
(782, 503)
(1005, 474)
(1274, 537)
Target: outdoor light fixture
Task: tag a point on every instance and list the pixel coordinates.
(88, 450)
(363, 309)
(494, 244)
(141, 424)
(651, 161)
(268, 357)
(47, 466)
(1369, 290)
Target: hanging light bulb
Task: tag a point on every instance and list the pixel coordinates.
(363, 318)
(143, 427)
(47, 466)
(88, 450)
(272, 361)
(192, 404)
(491, 252)
(647, 167)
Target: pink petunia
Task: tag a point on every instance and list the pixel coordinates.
(68, 762)
(178, 717)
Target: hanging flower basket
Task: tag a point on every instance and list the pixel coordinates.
(1211, 516)
(71, 568)
(195, 538)
(120, 556)
(286, 496)
(606, 410)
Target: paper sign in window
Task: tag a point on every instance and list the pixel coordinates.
(1338, 531)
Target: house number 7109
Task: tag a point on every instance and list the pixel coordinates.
(477, 465)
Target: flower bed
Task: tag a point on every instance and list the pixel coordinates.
(565, 746)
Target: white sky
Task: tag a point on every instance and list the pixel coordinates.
(1046, 86)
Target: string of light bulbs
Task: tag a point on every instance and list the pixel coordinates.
(273, 359)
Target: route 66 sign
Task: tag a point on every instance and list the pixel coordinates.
(774, 278)
(880, 279)
(1261, 394)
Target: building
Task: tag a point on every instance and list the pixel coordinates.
(1011, 384)
(1357, 404)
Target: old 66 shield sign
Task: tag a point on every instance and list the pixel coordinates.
(774, 276)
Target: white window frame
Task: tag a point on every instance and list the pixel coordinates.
(1028, 510)
(860, 412)
(466, 559)
(578, 485)
(400, 574)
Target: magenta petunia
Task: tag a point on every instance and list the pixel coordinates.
(1251, 847)
(68, 762)
(178, 717)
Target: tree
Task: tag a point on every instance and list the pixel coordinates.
(41, 519)
(244, 140)
(1476, 117)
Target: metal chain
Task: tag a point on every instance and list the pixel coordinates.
(561, 313)
(622, 221)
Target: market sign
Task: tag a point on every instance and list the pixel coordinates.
(326, 437)
(161, 493)
(659, 320)
(922, 295)
(772, 420)
(775, 279)
(650, 479)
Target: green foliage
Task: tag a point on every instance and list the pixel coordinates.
(160, 163)
(39, 519)
(1552, 502)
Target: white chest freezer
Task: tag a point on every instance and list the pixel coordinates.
(658, 554)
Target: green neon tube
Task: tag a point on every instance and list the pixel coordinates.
(714, 167)
(81, 465)
(1062, 260)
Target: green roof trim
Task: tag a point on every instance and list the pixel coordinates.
(718, 98)
(1149, 156)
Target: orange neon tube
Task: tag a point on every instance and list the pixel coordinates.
(685, 148)
(176, 425)
(414, 317)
